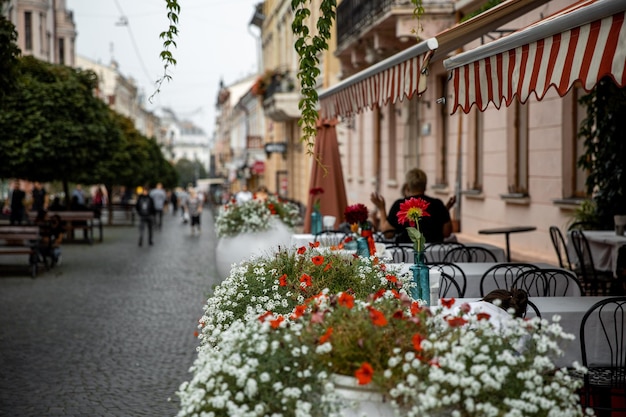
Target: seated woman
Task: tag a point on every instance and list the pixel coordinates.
(51, 230)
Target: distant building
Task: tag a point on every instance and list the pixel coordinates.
(45, 29)
(184, 140)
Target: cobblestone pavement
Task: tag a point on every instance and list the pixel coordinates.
(110, 331)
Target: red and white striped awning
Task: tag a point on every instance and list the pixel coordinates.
(582, 43)
(388, 81)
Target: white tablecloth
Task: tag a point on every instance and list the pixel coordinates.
(474, 272)
(571, 310)
(604, 245)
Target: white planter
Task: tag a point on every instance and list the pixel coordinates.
(360, 400)
(235, 249)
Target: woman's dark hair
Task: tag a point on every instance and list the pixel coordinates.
(516, 299)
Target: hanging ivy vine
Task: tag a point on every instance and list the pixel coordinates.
(173, 10)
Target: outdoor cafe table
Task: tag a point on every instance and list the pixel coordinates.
(506, 231)
(432, 254)
(571, 311)
(474, 272)
(604, 246)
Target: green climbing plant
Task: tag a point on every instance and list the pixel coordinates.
(173, 10)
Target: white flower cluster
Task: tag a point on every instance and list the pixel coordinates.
(254, 216)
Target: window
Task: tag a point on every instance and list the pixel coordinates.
(28, 31)
(475, 150)
(61, 51)
(517, 141)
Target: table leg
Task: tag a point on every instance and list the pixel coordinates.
(508, 249)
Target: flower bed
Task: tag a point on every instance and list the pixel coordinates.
(276, 330)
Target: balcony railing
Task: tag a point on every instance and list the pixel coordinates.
(353, 15)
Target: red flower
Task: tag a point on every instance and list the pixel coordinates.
(392, 278)
(316, 191)
(318, 260)
(378, 318)
(364, 374)
(298, 311)
(328, 266)
(276, 322)
(282, 281)
(346, 300)
(447, 302)
(314, 244)
(305, 280)
(483, 316)
(196, 334)
(263, 316)
(324, 338)
(417, 342)
(399, 314)
(456, 321)
(378, 294)
(412, 210)
(271, 208)
(301, 250)
(356, 214)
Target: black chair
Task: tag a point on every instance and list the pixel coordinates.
(401, 252)
(470, 253)
(448, 287)
(435, 252)
(532, 306)
(560, 247)
(452, 271)
(594, 281)
(503, 275)
(584, 225)
(548, 282)
(329, 238)
(605, 383)
(386, 236)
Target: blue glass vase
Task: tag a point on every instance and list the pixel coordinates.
(316, 222)
(421, 278)
(362, 247)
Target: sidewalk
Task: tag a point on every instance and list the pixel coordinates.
(109, 332)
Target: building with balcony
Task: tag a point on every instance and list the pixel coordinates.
(45, 29)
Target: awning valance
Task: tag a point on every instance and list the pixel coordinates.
(581, 43)
(387, 81)
(400, 76)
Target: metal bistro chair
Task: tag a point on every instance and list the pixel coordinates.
(532, 307)
(503, 275)
(328, 238)
(605, 384)
(401, 252)
(453, 272)
(549, 282)
(560, 247)
(594, 281)
(470, 254)
(448, 287)
(435, 252)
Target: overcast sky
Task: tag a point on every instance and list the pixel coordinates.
(215, 42)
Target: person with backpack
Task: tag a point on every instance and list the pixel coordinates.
(145, 210)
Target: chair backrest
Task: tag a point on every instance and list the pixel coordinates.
(386, 236)
(328, 238)
(401, 252)
(435, 252)
(609, 315)
(502, 276)
(558, 241)
(585, 261)
(584, 225)
(448, 287)
(470, 253)
(549, 282)
(452, 271)
(532, 306)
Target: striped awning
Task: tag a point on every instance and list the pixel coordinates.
(580, 44)
(388, 81)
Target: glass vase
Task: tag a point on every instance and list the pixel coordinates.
(316, 222)
(421, 278)
(362, 248)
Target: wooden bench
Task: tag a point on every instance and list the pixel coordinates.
(21, 240)
(76, 220)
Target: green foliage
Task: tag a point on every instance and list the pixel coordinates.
(308, 48)
(488, 5)
(9, 53)
(173, 10)
(189, 171)
(605, 149)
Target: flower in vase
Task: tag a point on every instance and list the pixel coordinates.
(411, 211)
(316, 200)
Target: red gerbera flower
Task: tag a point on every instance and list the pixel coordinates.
(364, 374)
(412, 210)
(377, 317)
(318, 260)
(346, 300)
(324, 338)
(356, 214)
(282, 281)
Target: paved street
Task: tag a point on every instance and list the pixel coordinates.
(109, 332)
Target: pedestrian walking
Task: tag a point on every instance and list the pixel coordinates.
(158, 196)
(15, 204)
(145, 210)
(40, 197)
(193, 206)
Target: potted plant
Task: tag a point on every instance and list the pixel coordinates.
(283, 332)
(252, 228)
